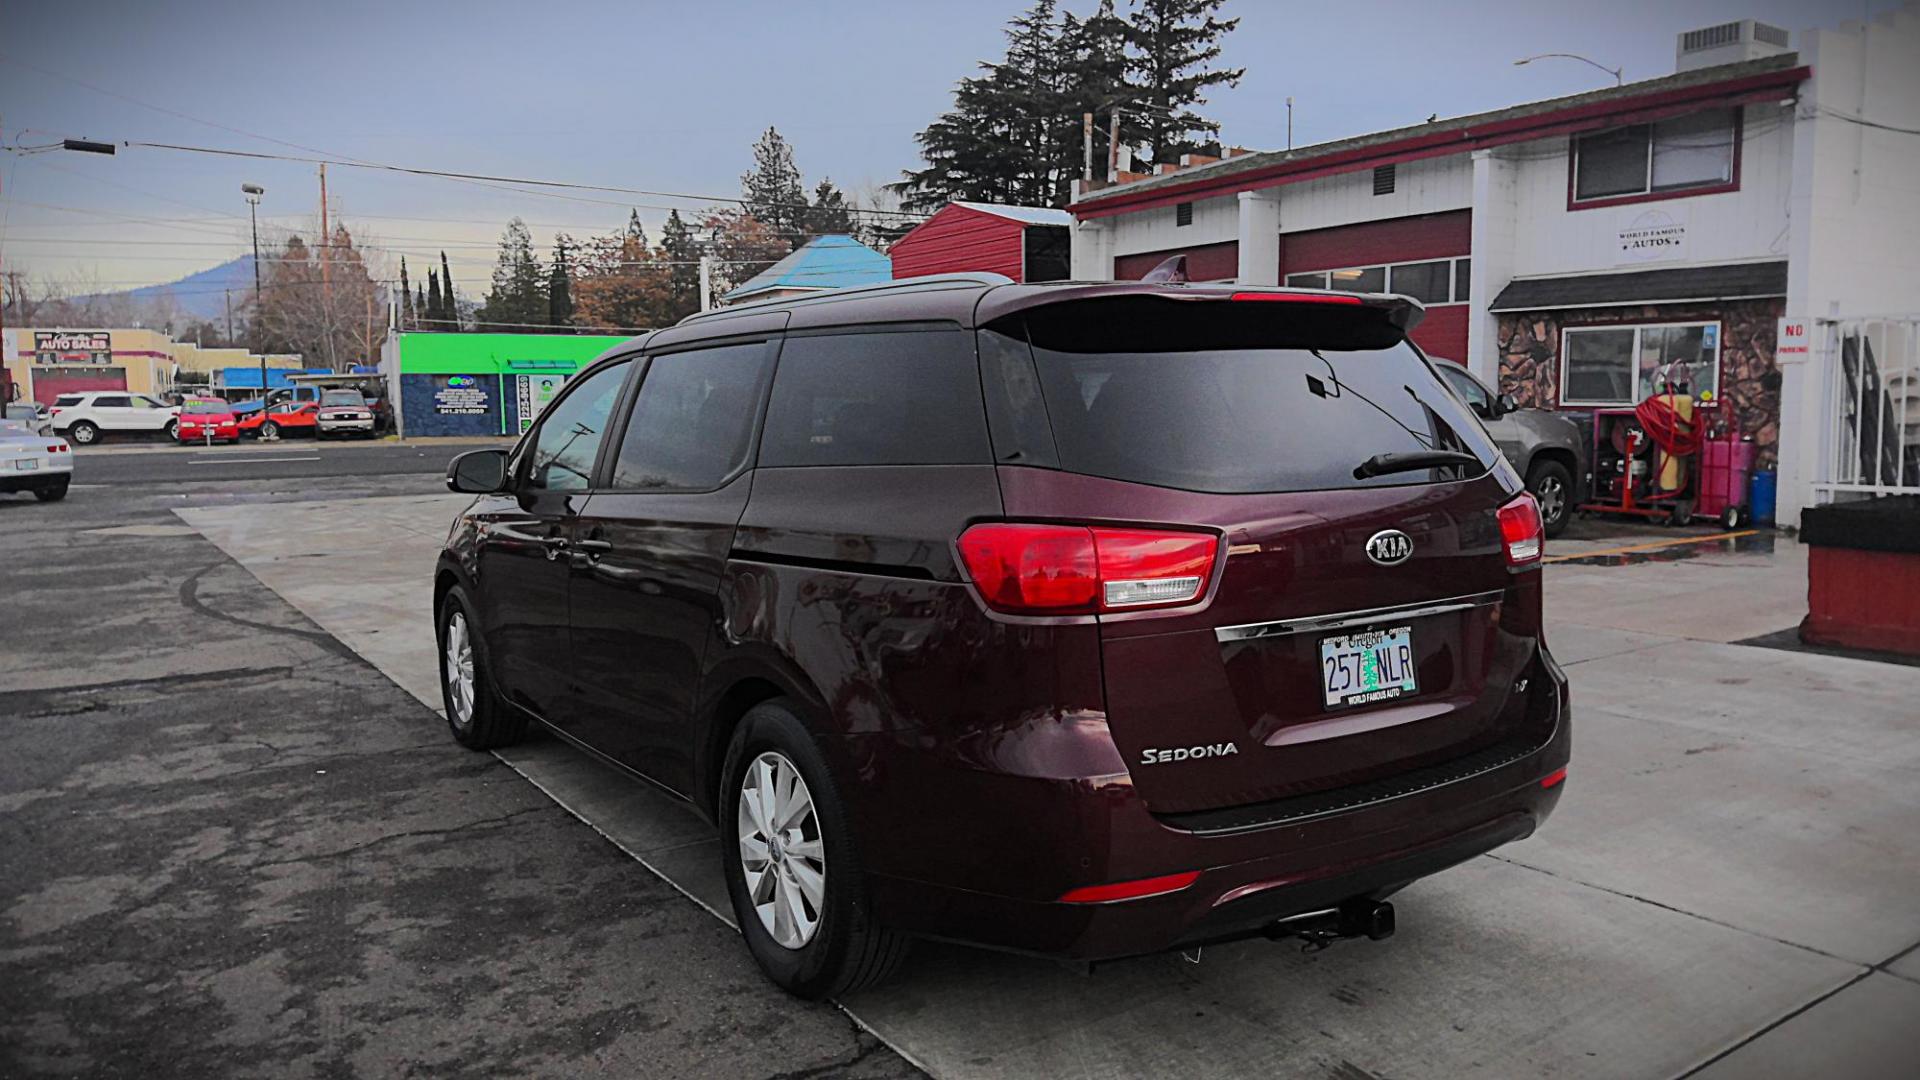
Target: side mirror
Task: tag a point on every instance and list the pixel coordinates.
(478, 472)
(1505, 404)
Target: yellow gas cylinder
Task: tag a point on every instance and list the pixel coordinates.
(1671, 466)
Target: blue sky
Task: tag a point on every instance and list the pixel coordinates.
(649, 95)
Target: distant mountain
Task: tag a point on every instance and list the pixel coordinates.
(201, 295)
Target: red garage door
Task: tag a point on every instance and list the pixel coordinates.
(51, 382)
(1207, 262)
(1372, 247)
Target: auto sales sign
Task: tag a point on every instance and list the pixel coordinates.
(72, 347)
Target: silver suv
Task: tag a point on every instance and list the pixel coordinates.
(1546, 447)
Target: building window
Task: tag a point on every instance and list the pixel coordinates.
(1183, 213)
(1685, 154)
(1427, 282)
(1383, 179)
(1359, 279)
(1438, 281)
(1624, 365)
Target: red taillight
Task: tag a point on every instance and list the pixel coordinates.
(57, 448)
(1554, 777)
(1299, 297)
(1077, 570)
(54, 412)
(1521, 531)
(1130, 890)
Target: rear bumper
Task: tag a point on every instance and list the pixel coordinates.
(1030, 840)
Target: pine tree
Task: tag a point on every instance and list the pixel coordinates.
(518, 298)
(829, 214)
(449, 306)
(406, 296)
(1098, 70)
(682, 253)
(1174, 42)
(1012, 135)
(436, 310)
(560, 283)
(771, 190)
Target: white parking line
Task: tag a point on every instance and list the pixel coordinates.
(224, 459)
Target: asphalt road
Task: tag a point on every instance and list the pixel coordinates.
(230, 847)
(161, 463)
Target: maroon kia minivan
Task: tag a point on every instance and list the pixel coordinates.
(1083, 620)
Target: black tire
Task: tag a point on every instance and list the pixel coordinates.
(171, 432)
(1733, 517)
(490, 721)
(1552, 486)
(848, 950)
(1681, 513)
(84, 433)
(269, 430)
(53, 492)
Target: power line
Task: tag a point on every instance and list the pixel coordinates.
(485, 178)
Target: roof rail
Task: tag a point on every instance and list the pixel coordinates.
(930, 281)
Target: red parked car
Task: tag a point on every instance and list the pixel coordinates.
(204, 419)
(1083, 620)
(286, 418)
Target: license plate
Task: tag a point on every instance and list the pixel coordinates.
(1359, 668)
(27, 464)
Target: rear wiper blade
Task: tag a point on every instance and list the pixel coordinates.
(1382, 464)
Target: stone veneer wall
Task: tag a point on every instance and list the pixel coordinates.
(1749, 379)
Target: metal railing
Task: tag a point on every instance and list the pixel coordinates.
(1873, 445)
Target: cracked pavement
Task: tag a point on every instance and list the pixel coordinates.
(230, 847)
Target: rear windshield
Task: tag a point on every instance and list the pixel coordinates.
(1241, 397)
(342, 397)
(205, 408)
(69, 399)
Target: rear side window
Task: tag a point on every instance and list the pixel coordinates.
(110, 402)
(1240, 397)
(692, 424)
(902, 398)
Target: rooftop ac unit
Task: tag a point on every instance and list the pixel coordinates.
(1727, 43)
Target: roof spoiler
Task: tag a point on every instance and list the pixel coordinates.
(1400, 312)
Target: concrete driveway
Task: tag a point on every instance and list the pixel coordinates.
(1727, 887)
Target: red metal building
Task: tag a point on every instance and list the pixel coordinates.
(1026, 243)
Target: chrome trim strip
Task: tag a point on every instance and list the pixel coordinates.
(1338, 620)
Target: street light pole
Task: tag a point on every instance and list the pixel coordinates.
(253, 193)
(1615, 72)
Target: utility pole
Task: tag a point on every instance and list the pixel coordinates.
(706, 283)
(253, 193)
(1086, 150)
(229, 293)
(1113, 146)
(1289, 121)
(326, 283)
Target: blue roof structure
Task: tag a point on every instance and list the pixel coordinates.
(825, 262)
(248, 378)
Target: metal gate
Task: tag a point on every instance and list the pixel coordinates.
(1873, 422)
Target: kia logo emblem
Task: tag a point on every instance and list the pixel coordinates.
(1389, 547)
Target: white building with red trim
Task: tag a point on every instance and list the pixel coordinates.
(1567, 247)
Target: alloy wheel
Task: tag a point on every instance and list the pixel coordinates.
(459, 666)
(781, 850)
(1552, 496)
